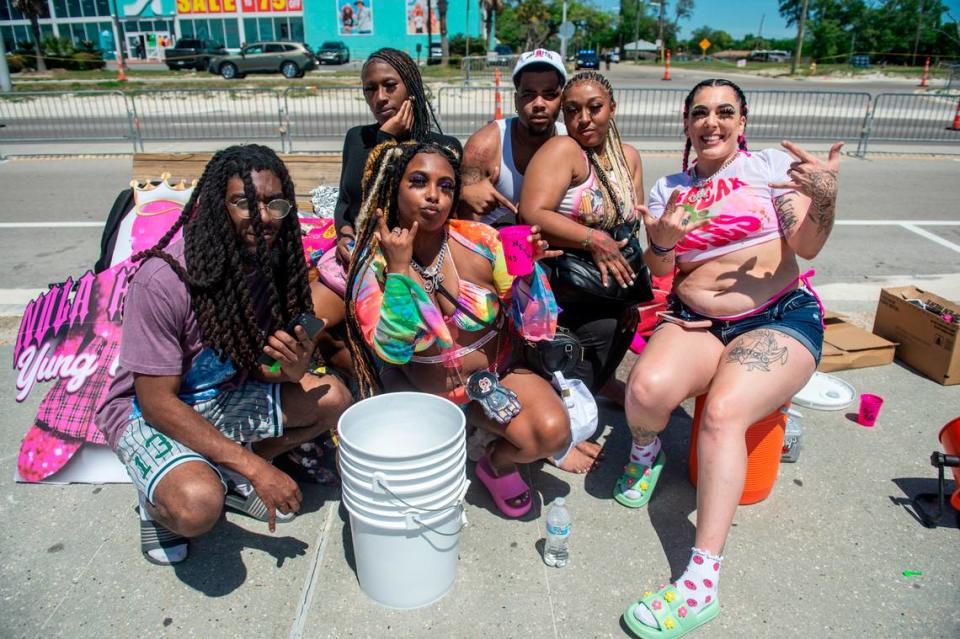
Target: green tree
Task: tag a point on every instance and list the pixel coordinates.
(34, 10)
(719, 40)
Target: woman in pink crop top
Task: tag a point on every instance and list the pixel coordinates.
(750, 329)
(578, 188)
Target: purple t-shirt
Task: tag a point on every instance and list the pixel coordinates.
(161, 336)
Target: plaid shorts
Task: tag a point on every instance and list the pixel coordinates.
(248, 413)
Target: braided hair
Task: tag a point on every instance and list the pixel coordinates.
(409, 73)
(688, 102)
(382, 177)
(215, 259)
(620, 198)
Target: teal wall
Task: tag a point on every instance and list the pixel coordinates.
(320, 19)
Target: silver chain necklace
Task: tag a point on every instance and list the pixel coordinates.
(700, 182)
(433, 275)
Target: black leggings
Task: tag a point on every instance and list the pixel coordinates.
(605, 332)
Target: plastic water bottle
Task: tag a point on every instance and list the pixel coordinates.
(556, 549)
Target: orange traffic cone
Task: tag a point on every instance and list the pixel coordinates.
(498, 108)
(666, 69)
(956, 119)
(926, 73)
(121, 76)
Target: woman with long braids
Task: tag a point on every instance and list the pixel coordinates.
(193, 411)
(744, 325)
(581, 189)
(431, 299)
(395, 94)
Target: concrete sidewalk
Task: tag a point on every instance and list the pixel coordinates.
(822, 557)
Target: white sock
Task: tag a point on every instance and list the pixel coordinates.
(171, 555)
(697, 585)
(644, 456)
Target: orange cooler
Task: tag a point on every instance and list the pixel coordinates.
(764, 448)
(950, 440)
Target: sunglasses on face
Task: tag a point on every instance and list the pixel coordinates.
(278, 209)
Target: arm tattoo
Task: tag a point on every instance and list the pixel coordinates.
(757, 350)
(786, 212)
(824, 199)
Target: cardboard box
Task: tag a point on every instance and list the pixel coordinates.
(928, 343)
(848, 346)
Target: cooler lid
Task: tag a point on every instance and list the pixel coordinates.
(825, 392)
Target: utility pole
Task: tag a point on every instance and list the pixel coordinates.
(636, 35)
(5, 86)
(118, 27)
(429, 31)
(799, 48)
(467, 55)
(916, 40)
(563, 41)
(660, 29)
(492, 36)
(759, 43)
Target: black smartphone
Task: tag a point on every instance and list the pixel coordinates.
(310, 323)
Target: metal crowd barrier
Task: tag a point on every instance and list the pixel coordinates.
(480, 68)
(76, 116)
(292, 117)
(322, 112)
(239, 115)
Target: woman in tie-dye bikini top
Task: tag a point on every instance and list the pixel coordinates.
(430, 303)
(744, 329)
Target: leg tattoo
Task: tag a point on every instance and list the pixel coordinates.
(758, 350)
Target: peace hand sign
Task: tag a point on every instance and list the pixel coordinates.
(674, 224)
(397, 245)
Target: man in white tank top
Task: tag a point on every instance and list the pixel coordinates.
(496, 156)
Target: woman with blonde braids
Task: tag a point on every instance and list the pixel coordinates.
(579, 189)
(431, 299)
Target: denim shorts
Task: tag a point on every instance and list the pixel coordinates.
(796, 314)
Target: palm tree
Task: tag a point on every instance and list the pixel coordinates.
(34, 10)
(442, 6)
(490, 8)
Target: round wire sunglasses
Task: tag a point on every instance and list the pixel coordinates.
(278, 209)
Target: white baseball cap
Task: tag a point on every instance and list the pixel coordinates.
(544, 57)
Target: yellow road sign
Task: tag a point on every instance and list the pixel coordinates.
(705, 44)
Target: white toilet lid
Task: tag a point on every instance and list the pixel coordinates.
(825, 392)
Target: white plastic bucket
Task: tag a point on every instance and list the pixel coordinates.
(404, 479)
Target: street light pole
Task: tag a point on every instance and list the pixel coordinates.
(118, 27)
(5, 86)
(916, 40)
(636, 35)
(660, 30)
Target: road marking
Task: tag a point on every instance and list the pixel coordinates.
(50, 225)
(947, 285)
(933, 238)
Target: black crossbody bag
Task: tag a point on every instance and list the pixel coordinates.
(575, 278)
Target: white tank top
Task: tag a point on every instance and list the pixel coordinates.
(510, 181)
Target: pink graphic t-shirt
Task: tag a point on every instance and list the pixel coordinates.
(737, 200)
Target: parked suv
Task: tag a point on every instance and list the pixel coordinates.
(768, 56)
(333, 53)
(292, 59)
(191, 53)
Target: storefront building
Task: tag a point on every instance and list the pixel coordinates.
(151, 25)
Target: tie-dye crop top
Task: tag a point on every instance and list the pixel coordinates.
(737, 199)
(398, 319)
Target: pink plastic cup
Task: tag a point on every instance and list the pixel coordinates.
(869, 409)
(638, 343)
(517, 251)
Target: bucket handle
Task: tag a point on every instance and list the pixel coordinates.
(412, 517)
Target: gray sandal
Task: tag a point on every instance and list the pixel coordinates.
(253, 506)
(153, 536)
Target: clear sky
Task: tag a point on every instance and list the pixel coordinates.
(740, 17)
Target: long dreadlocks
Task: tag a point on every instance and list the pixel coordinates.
(620, 197)
(382, 177)
(409, 73)
(215, 258)
(688, 102)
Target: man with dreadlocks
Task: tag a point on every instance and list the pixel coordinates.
(745, 327)
(582, 189)
(431, 298)
(394, 92)
(496, 157)
(191, 412)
